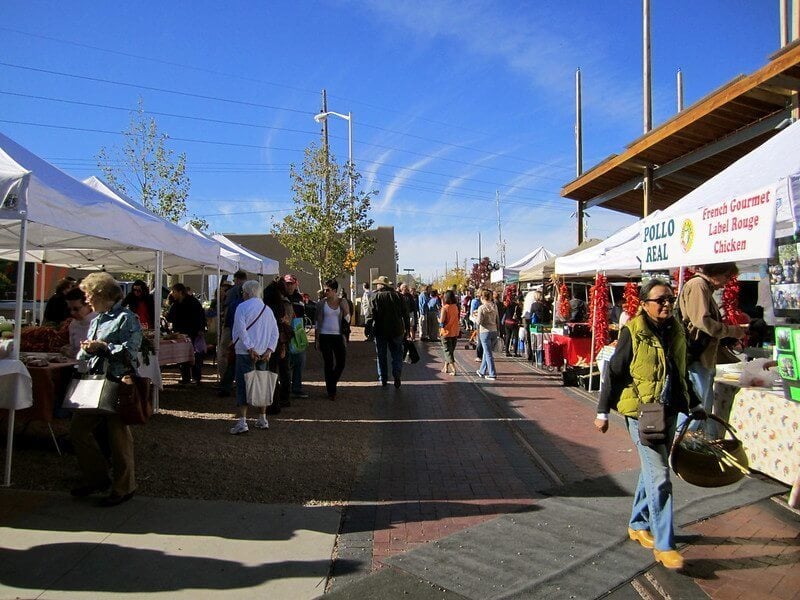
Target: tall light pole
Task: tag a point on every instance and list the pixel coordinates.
(349, 118)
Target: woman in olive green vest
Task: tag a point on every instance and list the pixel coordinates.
(649, 365)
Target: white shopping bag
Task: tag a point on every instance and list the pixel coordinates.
(260, 386)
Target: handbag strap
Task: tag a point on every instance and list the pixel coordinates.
(251, 324)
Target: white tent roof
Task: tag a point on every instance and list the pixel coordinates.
(775, 159)
(260, 265)
(184, 252)
(607, 256)
(72, 224)
(539, 255)
(546, 268)
(228, 261)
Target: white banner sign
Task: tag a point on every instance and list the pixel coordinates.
(736, 229)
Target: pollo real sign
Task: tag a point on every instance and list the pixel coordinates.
(739, 228)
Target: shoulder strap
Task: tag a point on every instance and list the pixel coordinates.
(263, 308)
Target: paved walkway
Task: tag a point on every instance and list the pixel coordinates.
(459, 451)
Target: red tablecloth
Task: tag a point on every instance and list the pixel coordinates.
(49, 388)
(574, 348)
(172, 352)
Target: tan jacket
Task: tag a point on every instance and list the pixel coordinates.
(701, 313)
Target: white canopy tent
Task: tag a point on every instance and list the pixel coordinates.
(546, 268)
(529, 261)
(260, 265)
(775, 159)
(46, 215)
(606, 256)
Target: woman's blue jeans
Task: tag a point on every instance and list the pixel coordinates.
(652, 502)
(488, 339)
(395, 347)
(702, 380)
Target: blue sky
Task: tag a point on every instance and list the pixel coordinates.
(451, 100)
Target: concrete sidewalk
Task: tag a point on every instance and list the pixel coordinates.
(54, 546)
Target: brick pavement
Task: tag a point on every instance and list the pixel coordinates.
(451, 454)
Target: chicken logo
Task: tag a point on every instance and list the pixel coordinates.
(687, 235)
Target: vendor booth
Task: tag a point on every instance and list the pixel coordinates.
(735, 217)
(47, 216)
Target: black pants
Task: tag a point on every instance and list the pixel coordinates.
(334, 354)
(195, 371)
(281, 367)
(512, 336)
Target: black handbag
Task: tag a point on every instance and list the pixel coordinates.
(410, 352)
(652, 424)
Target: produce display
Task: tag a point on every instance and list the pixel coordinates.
(630, 299)
(732, 314)
(598, 311)
(563, 301)
(45, 339)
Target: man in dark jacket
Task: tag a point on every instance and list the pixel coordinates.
(390, 326)
(187, 316)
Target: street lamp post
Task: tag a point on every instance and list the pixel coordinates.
(408, 274)
(349, 118)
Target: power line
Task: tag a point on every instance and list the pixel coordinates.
(236, 76)
(286, 129)
(258, 147)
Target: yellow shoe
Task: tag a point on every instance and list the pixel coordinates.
(671, 559)
(643, 536)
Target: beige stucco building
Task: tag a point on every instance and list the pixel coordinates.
(380, 262)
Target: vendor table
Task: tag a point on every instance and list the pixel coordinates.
(769, 426)
(574, 348)
(15, 385)
(50, 385)
(171, 352)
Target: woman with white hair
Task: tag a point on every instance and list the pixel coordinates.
(255, 335)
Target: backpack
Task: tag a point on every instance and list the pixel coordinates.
(299, 341)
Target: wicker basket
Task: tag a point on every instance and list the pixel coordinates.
(702, 469)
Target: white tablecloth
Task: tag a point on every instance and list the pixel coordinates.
(16, 389)
(153, 370)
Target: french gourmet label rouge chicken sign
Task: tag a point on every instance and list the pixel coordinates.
(739, 228)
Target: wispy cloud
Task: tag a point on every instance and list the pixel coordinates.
(405, 174)
(525, 40)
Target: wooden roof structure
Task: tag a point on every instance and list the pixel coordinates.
(697, 143)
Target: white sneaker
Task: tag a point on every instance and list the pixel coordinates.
(239, 428)
(491, 377)
(262, 423)
(479, 374)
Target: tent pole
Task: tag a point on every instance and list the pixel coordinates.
(591, 350)
(680, 279)
(42, 291)
(23, 242)
(218, 292)
(34, 305)
(158, 302)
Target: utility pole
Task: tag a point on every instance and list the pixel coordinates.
(579, 148)
(647, 88)
(501, 245)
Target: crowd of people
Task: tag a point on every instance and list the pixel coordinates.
(662, 357)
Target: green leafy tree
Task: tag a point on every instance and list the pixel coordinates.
(318, 231)
(148, 171)
(454, 277)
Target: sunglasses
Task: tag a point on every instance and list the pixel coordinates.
(663, 300)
